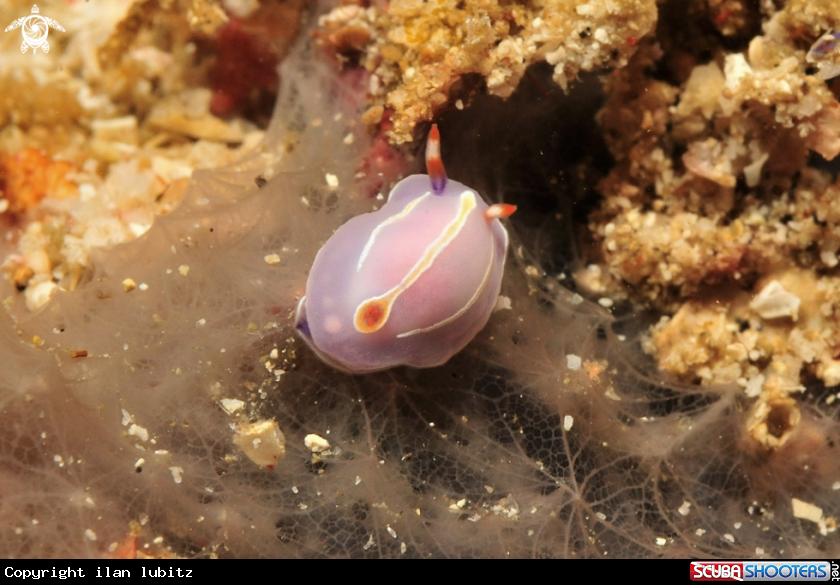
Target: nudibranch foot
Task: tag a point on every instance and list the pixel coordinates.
(301, 324)
(411, 283)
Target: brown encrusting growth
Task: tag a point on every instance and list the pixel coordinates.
(712, 215)
(102, 137)
(418, 53)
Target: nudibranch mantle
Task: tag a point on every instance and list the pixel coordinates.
(409, 284)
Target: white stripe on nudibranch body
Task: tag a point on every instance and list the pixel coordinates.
(372, 314)
(391, 220)
(468, 304)
(435, 245)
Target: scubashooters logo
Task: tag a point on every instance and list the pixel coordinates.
(717, 571)
(35, 29)
(764, 571)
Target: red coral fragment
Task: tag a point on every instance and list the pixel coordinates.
(29, 175)
(382, 161)
(249, 51)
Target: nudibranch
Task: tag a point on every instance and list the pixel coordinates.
(411, 283)
(825, 54)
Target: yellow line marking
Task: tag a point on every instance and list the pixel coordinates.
(463, 309)
(386, 223)
(372, 314)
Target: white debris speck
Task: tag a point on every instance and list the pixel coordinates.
(829, 257)
(358, 480)
(601, 516)
(262, 442)
(138, 229)
(200, 322)
(661, 541)
(754, 386)
(391, 531)
(835, 485)
(139, 463)
(295, 489)
(176, 473)
(806, 511)
(272, 259)
(737, 525)
(4, 205)
(699, 532)
(685, 508)
(568, 421)
(729, 537)
(459, 104)
(371, 542)
(316, 443)
(403, 548)
(752, 172)
(573, 362)
(143, 286)
(90, 534)
(332, 180)
(774, 301)
(502, 303)
(39, 295)
(605, 302)
(129, 285)
(184, 269)
(576, 299)
(140, 432)
(759, 550)
(231, 405)
(349, 139)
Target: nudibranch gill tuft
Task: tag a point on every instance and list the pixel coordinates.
(411, 283)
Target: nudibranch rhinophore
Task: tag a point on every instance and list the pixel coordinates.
(411, 283)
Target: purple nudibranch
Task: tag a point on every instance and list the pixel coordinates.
(411, 283)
